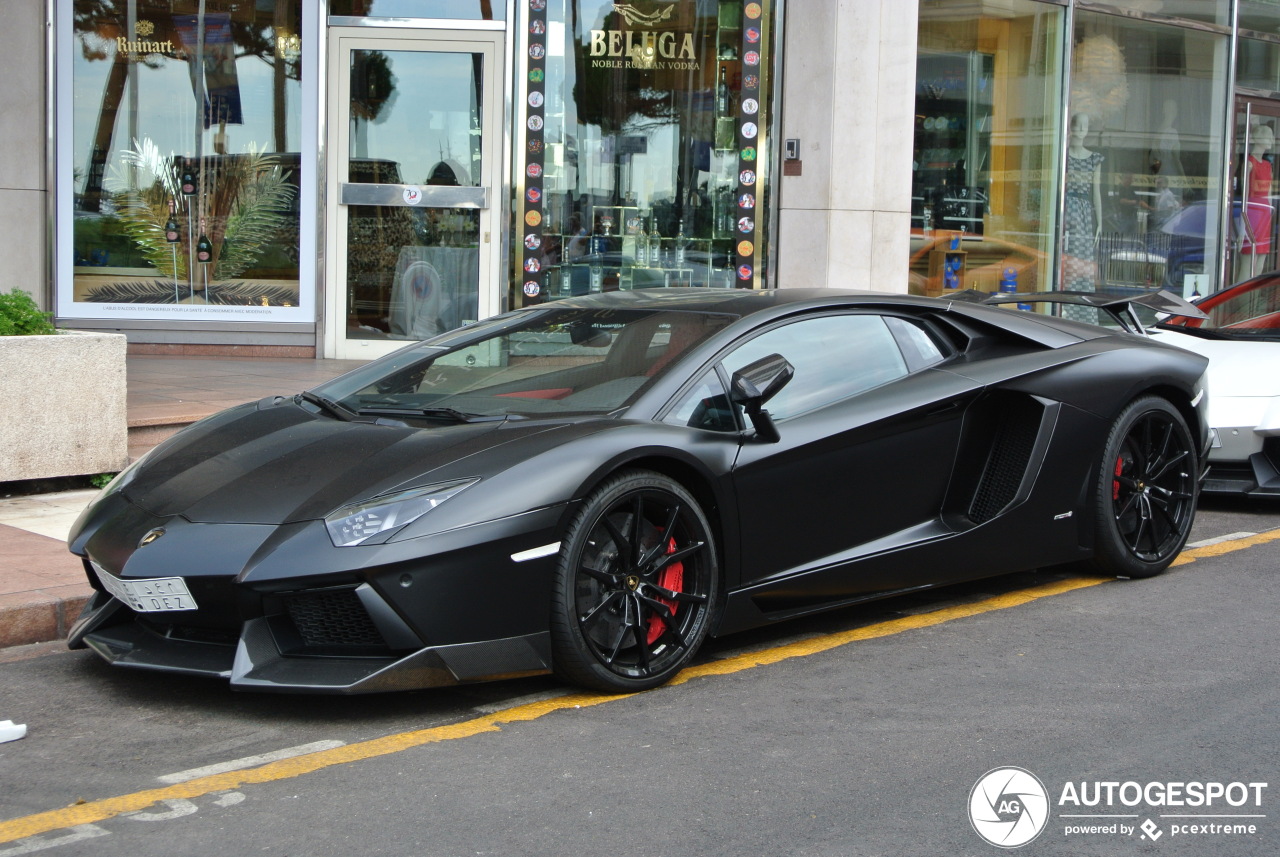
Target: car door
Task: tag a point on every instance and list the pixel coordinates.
(869, 432)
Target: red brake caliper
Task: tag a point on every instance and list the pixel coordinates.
(1115, 483)
(671, 578)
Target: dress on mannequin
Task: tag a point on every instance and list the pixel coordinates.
(1080, 227)
(1258, 177)
(1081, 222)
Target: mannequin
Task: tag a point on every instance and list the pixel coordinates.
(1082, 221)
(1166, 154)
(1256, 182)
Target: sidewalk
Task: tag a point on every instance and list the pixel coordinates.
(42, 585)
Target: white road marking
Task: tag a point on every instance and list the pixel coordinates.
(249, 762)
(32, 844)
(229, 799)
(495, 707)
(178, 807)
(1204, 543)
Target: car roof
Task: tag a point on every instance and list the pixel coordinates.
(1049, 331)
(740, 302)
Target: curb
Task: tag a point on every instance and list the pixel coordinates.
(40, 617)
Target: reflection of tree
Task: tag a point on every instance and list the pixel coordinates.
(643, 95)
(244, 207)
(373, 92)
(614, 98)
(98, 23)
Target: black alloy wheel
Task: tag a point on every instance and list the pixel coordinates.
(1147, 490)
(636, 587)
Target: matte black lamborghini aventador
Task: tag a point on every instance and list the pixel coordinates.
(593, 486)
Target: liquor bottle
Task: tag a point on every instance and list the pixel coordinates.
(566, 279)
(188, 180)
(655, 245)
(171, 225)
(598, 244)
(597, 274)
(680, 248)
(204, 249)
(722, 94)
(642, 248)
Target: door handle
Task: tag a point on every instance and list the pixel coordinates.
(423, 196)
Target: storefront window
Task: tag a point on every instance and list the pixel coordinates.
(985, 158)
(1258, 64)
(471, 10)
(1208, 11)
(642, 154)
(183, 170)
(1262, 16)
(1144, 159)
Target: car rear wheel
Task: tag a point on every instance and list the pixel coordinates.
(1147, 490)
(636, 586)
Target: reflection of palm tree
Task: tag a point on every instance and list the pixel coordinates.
(246, 198)
(373, 91)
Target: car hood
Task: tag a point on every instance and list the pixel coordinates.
(276, 463)
(1235, 368)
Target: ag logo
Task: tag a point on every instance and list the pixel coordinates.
(1008, 807)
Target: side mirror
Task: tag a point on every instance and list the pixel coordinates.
(586, 334)
(757, 383)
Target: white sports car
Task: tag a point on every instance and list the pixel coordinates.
(1241, 338)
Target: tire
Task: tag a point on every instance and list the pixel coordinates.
(1147, 488)
(627, 614)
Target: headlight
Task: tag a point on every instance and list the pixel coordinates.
(358, 522)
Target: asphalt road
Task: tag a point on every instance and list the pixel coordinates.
(869, 747)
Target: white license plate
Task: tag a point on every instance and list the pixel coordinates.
(152, 595)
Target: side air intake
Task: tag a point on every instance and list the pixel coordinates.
(1014, 441)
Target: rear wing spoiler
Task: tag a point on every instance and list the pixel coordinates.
(1118, 306)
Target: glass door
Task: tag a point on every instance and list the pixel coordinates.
(413, 191)
(1253, 220)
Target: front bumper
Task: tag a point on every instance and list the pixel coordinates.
(256, 661)
(281, 609)
(1242, 462)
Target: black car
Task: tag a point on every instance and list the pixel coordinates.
(592, 487)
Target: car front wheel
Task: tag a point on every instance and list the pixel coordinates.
(636, 586)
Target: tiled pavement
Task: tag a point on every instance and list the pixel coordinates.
(42, 586)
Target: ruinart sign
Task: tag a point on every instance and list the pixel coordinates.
(143, 45)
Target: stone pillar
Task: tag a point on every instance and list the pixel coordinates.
(849, 97)
(23, 221)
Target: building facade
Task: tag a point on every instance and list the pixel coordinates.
(334, 178)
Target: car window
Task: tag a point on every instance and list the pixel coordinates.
(705, 406)
(835, 357)
(918, 347)
(553, 361)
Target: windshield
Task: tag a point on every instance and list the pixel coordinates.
(530, 363)
(1250, 310)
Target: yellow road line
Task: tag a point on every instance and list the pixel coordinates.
(100, 810)
(1226, 547)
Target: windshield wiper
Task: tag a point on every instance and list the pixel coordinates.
(334, 408)
(438, 413)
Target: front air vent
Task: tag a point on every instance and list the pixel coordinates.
(1014, 441)
(334, 618)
